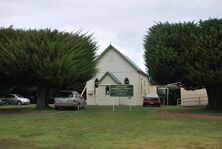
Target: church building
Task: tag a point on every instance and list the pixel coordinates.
(114, 68)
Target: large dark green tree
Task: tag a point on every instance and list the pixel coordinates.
(189, 53)
(46, 58)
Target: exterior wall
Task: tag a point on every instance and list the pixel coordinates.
(115, 64)
(143, 88)
(90, 92)
(99, 97)
(193, 98)
(152, 89)
(103, 99)
(107, 80)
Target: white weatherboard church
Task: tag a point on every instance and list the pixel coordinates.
(115, 68)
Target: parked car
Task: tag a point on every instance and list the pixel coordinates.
(69, 99)
(1, 102)
(151, 99)
(15, 99)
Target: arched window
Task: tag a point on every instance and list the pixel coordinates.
(96, 83)
(107, 90)
(126, 81)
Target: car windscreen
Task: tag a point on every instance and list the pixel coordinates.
(64, 94)
(19, 96)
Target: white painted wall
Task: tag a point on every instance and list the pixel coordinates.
(115, 64)
(143, 88)
(152, 89)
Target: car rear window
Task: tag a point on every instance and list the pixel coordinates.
(151, 95)
(64, 94)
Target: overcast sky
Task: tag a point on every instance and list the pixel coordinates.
(121, 22)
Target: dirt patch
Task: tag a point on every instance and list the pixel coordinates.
(64, 146)
(208, 116)
(189, 114)
(15, 143)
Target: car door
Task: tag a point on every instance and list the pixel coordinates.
(13, 99)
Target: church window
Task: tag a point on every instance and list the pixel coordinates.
(107, 90)
(96, 83)
(126, 81)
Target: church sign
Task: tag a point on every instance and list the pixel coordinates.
(121, 90)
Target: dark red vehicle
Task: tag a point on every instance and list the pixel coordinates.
(151, 99)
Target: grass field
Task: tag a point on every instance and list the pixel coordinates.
(99, 127)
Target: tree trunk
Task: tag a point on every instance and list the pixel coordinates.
(214, 93)
(42, 97)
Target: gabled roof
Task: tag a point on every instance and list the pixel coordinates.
(127, 59)
(111, 76)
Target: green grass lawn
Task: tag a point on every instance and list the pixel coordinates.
(99, 127)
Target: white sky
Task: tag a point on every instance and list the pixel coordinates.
(121, 22)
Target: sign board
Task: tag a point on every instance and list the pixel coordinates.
(161, 91)
(121, 90)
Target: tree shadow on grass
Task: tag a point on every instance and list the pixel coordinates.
(12, 111)
(24, 109)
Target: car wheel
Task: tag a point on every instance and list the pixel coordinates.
(56, 108)
(19, 103)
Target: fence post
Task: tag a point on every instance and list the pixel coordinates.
(167, 89)
(178, 102)
(199, 100)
